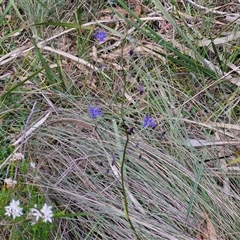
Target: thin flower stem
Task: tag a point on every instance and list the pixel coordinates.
(125, 201)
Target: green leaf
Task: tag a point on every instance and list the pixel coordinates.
(197, 65)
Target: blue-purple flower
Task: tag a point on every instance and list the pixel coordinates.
(100, 35)
(148, 122)
(130, 131)
(140, 89)
(94, 112)
(99, 66)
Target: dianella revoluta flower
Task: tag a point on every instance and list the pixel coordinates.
(100, 35)
(94, 112)
(140, 89)
(148, 122)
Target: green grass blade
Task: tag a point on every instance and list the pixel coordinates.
(186, 61)
(5, 12)
(21, 83)
(195, 186)
(51, 76)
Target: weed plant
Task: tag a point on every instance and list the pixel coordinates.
(119, 120)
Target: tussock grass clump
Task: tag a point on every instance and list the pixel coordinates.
(125, 115)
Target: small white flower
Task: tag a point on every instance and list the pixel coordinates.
(33, 164)
(13, 209)
(34, 212)
(46, 213)
(17, 157)
(9, 182)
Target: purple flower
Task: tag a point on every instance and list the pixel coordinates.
(148, 122)
(94, 112)
(140, 89)
(100, 35)
(130, 131)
